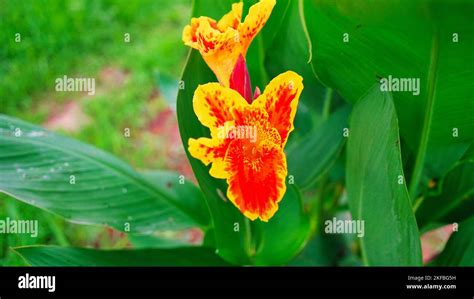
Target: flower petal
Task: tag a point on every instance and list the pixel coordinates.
(254, 21)
(190, 32)
(210, 151)
(280, 100)
(222, 61)
(211, 41)
(219, 49)
(240, 79)
(232, 18)
(213, 104)
(254, 121)
(221, 43)
(256, 178)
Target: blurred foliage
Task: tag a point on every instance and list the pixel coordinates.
(60, 37)
(81, 39)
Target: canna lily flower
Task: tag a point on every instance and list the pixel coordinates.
(222, 42)
(247, 141)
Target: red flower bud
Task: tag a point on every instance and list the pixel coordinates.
(240, 80)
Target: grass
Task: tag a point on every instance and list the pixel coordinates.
(85, 38)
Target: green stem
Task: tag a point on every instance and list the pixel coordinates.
(305, 30)
(417, 203)
(327, 103)
(316, 207)
(320, 207)
(420, 157)
(249, 248)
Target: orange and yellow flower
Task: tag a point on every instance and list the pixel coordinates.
(222, 42)
(247, 141)
(247, 135)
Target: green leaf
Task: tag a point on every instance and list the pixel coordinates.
(469, 154)
(292, 44)
(417, 42)
(455, 202)
(375, 196)
(190, 196)
(274, 24)
(51, 256)
(86, 185)
(184, 192)
(288, 35)
(323, 250)
(459, 250)
(162, 240)
(212, 9)
(285, 235)
(320, 148)
(168, 87)
(255, 58)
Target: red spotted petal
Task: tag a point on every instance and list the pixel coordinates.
(256, 178)
(280, 100)
(222, 42)
(247, 141)
(213, 103)
(210, 151)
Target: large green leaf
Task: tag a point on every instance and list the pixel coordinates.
(271, 29)
(326, 250)
(416, 42)
(185, 192)
(459, 250)
(86, 185)
(374, 170)
(292, 44)
(311, 156)
(162, 240)
(285, 235)
(455, 201)
(288, 35)
(51, 256)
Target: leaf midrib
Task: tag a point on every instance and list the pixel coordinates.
(431, 86)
